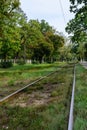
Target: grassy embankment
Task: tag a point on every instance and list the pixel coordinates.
(80, 112)
(44, 106)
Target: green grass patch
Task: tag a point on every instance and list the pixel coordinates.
(80, 111)
(49, 117)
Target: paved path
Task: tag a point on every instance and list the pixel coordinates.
(84, 63)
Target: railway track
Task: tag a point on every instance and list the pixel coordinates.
(50, 83)
(23, 88)
(9, 96)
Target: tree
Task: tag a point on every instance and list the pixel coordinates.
(45, 27)
(22, 39)
(58, 42)
(66, 53)
(42, 51)
(78, 26)
(10, 17)
(38, 46)
(10, 43)
(7, 12)
(24, 29)
(52, 37)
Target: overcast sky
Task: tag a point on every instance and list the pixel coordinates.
(49, 10)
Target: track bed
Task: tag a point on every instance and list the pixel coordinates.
(42, 106)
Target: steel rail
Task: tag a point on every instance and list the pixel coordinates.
(70, 123)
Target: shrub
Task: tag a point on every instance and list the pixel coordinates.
(6, 64)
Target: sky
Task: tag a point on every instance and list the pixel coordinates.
(50, 11)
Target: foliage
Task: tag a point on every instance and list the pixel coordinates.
(78, 25)
(22, 39)
(9, 38)
(66, 53)
(42, 50)
(38, 44)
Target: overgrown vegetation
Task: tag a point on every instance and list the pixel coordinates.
(77, 27)
(80, 108)
(17, 76)
(39, 108)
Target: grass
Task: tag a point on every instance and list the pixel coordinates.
(20, 75)
(52, 115)
(44, 118)
(80, 112)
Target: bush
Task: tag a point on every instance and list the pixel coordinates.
(6, 64)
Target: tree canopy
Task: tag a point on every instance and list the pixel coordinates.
(23, 39)
(78, 25)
